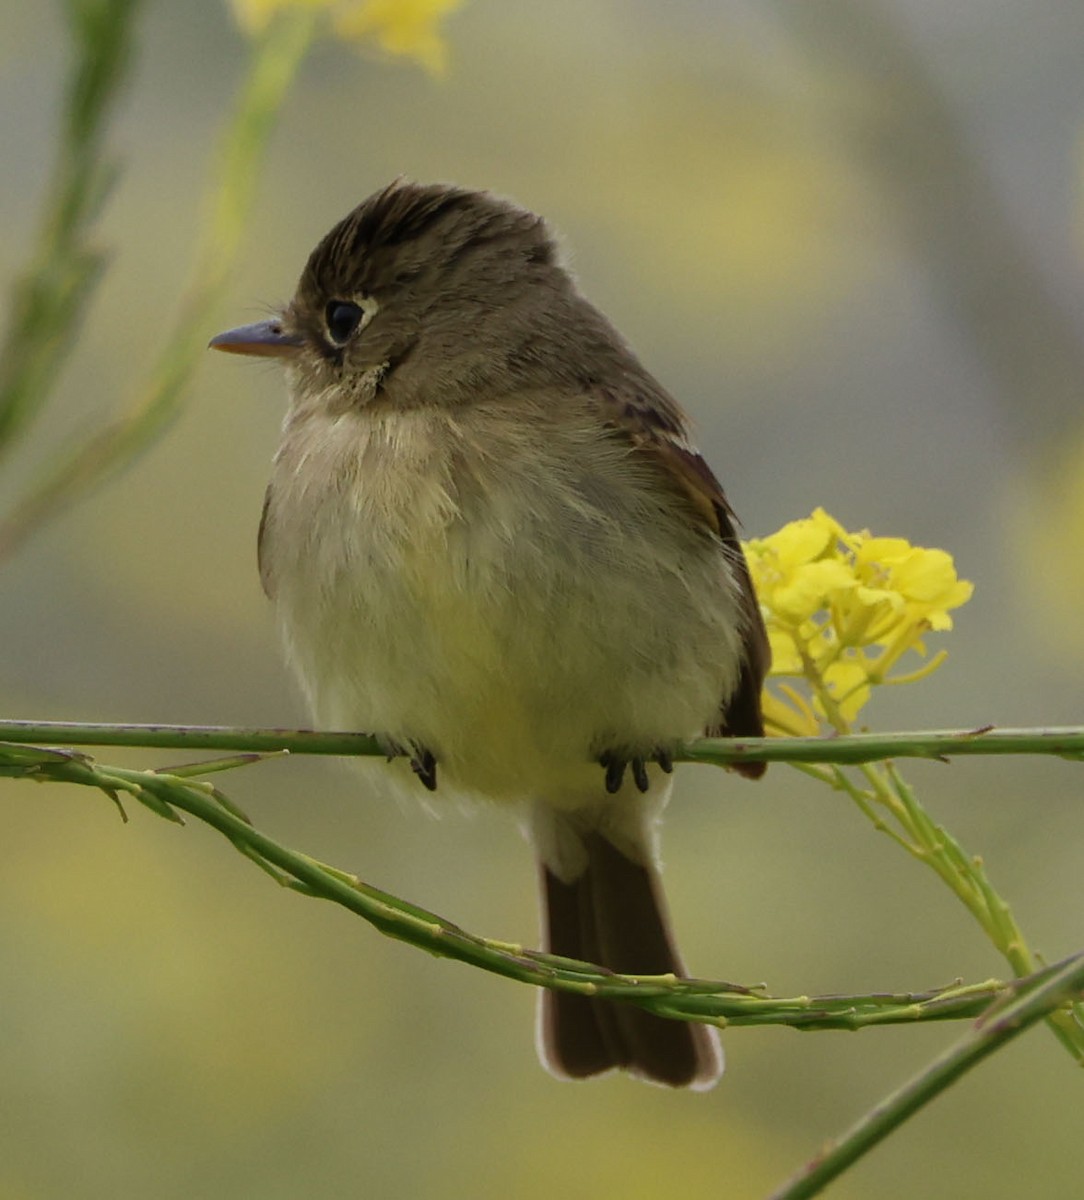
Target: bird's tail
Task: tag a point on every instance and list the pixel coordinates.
(609, 909)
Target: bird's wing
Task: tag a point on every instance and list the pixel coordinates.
(655, 428)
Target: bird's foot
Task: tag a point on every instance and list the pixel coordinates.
(422, 761)
(615, 765)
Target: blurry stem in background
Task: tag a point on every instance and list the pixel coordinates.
(990, 1033)
(276, 58)
(51, 295)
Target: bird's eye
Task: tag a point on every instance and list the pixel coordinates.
(342, 318)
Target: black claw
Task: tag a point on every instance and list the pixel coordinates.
(614, 766)
(391, 748)
(422, 762)
(615, 771)
(424, 765)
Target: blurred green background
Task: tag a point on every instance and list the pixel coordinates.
(849, 239)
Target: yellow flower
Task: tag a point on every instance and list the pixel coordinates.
(828, 596)
(848, 683)
(401, 27)
(255, 15)
(795, 569)
(405, 28)
(786, 657)
(789, 715)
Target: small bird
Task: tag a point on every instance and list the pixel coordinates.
(488, 538)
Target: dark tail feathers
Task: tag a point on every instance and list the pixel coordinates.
(614, 914)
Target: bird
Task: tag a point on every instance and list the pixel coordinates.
(489, 540)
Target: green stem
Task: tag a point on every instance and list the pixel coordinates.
(1001, 1025)
(190, 737)
(273, 69)
(692, 1000)
(51, 295)
(870, 804)
(1065, 742)
(966, 875)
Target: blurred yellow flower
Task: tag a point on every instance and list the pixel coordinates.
(255, 15)
(402, 27)
(406, 28)
(841, 610)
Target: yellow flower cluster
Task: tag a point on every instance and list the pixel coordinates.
(841, 610)
(406, 28)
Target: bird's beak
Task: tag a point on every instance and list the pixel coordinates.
(266, 338)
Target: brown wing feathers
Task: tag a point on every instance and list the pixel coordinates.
(657, 430)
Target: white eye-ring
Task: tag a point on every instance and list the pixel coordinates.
(345, 318)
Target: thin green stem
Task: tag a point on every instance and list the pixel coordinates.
(1003, 1023)
(868, 802)
(49, 298)
(190, 737)
(274, 66)
(910, 826)
(966, 875)
(1064, 742)
(169, 795)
